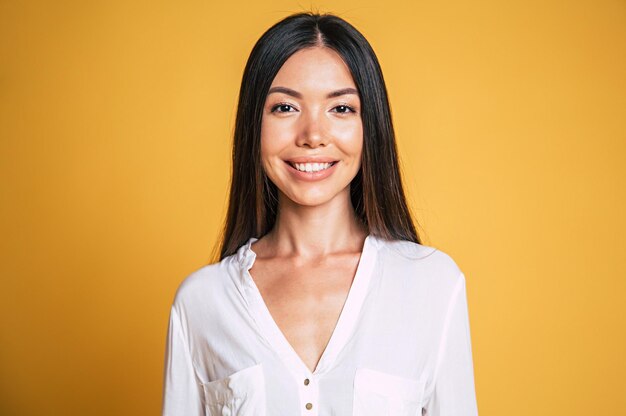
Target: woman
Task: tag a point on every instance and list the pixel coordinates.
(324, 301)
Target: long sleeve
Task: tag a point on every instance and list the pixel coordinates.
(181, 390)
(453, 393)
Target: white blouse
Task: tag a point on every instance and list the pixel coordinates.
(401, 346)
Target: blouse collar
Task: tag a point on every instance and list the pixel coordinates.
(246, 256)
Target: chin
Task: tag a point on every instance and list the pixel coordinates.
(310, 202)
(312, 199)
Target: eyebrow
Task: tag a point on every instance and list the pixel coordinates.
(296, 94)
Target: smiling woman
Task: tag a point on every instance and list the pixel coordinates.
(312, 150)
(324, 300)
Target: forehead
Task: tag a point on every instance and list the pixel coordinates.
(314, 69)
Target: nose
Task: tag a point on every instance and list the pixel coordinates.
(312, 132)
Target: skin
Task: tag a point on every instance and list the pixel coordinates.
(306, 264)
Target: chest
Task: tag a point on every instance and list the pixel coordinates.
(306, 301)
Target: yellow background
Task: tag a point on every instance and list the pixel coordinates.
(115, 130)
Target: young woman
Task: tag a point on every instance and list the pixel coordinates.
(324, 302)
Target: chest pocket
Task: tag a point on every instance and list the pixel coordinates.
(382, 394)
(240, 394)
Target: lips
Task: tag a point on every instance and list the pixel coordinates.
(311, 176)
(311, 160)
(293, 164)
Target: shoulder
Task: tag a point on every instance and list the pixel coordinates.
(204, 283)
(423, 262)
(420, 254)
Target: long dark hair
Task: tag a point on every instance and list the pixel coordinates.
(376, 191)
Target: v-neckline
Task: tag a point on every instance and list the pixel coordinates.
(345, 323)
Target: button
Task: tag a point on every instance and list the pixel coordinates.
(306, 381)
(309, 406)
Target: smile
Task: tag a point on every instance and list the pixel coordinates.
(311, 167)
(311, 171)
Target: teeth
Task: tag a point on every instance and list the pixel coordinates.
(311, 167)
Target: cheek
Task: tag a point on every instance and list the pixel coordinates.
(272, 145)
(273, 137)
(350, 140)
(268, 140)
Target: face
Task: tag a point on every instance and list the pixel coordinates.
(312, 133)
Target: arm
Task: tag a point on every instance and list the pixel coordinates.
(453, 393)
(181, 390)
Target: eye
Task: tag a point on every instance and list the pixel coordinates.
(284, 107)
(343, 109)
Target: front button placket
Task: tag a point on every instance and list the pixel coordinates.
(309, 390)
(309, 395)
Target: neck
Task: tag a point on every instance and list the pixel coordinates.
(314, 231)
